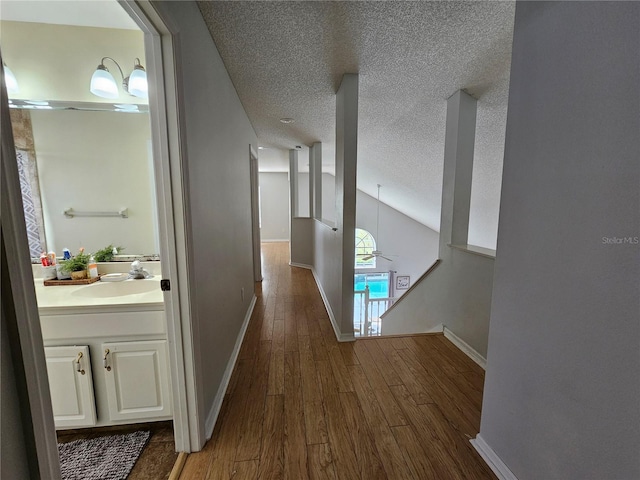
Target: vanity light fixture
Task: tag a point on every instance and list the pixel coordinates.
(104, 85)
(10, 80)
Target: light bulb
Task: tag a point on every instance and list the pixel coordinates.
(138, 81)
(103, 84)
(10, 80)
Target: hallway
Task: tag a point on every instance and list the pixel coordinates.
(300, 405)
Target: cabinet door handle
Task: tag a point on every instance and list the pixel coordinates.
(79, 368)
(105, 360)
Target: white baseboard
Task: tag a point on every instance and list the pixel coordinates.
(466, 348)
(301, 265)
(217, 403)
(492, 460)
(274, 240)
(341, 337)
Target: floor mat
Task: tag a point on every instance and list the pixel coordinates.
(102, 458)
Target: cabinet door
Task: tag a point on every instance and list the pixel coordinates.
(71, 386)
(137, 380)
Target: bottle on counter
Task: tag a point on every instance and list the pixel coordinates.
(92, 267)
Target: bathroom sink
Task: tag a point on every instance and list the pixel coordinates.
(116, 289)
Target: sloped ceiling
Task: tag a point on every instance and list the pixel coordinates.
(286, 59)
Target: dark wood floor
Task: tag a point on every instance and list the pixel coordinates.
(301, 405)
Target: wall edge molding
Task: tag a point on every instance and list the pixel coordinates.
(217, 402)
(341, 337)
(303, 265)
(492, 459)
(466, 348)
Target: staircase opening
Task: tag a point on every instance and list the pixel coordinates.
(372, 297)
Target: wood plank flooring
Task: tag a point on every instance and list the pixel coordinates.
(301, 406)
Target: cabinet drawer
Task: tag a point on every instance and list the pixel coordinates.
(92, 325)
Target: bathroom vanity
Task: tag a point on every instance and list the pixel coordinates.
(106, 352)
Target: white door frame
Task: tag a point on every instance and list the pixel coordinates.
(162, 68)
(255, 215)
(26, 321)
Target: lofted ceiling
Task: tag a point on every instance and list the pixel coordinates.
(286, 59)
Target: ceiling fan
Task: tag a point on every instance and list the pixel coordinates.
(377, 253)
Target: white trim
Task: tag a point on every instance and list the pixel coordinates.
(300, 265)
(475, 250)
(466, 348)
(341, 337)
(222, 389)
(274, 240)
(491, 459)
(39, 418)
(162, 67)
(255, 214)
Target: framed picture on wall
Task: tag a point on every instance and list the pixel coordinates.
(402, 282)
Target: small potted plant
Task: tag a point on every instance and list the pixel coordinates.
(77, 265)
(107, 253)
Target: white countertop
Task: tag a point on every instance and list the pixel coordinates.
(100, 296)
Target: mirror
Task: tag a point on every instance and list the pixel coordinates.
(96, 161)
(76, 150)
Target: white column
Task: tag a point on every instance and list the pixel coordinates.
(346, 163)
(293, 184)
(315, 166)
(458, 168)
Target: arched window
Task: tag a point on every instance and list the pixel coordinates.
(365, 245)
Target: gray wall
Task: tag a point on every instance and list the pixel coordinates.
(456, 294)
(274, 206)
(562, 391)
(216, 138)
(302, 243)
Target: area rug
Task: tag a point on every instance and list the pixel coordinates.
(101, 458)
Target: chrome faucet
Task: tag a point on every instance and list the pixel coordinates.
(137, 271)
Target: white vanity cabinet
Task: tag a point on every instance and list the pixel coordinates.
(134, 384)
(137, 380)
(71, 386)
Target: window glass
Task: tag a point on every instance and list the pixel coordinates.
(365, 245)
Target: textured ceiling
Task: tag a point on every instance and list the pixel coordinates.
(286, 59)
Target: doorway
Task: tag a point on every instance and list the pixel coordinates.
(157, 45)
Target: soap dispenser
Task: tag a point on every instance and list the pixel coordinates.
(93, 268)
